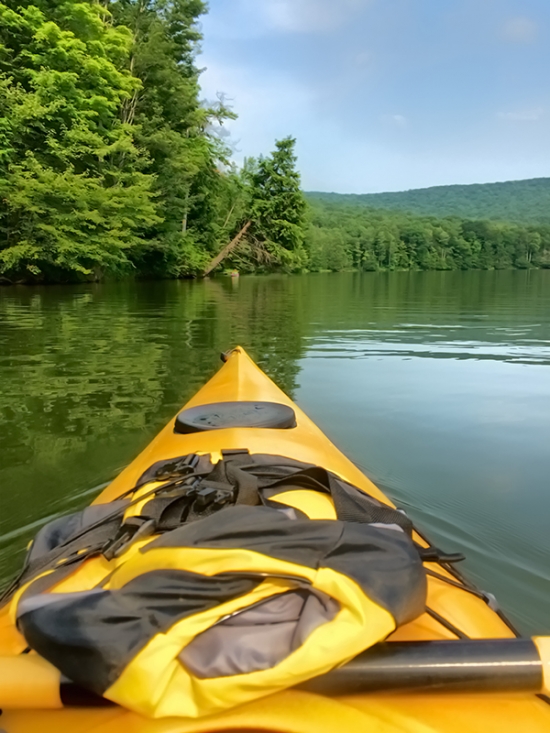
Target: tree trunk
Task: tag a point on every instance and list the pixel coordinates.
(226, 222)
(226, 250)
(185, 212)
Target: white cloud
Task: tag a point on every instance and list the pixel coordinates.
(242, 19)
(526, 115)
(519, 30)
(309, 16)
(341, 93)
(396, 120)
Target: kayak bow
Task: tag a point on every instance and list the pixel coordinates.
(456, 667)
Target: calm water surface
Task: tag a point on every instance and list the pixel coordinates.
(436, 384)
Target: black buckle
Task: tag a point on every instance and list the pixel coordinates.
(133, 529)
(210, 497)
(177, 467)
(433, 554)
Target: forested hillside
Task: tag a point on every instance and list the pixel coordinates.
(351, 237)
(523, 202)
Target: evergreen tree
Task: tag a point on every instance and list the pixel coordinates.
(278, 207)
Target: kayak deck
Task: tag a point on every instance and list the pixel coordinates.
(298, 711)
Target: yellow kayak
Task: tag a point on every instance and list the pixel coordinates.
(453, 610)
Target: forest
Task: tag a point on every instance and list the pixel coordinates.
(110, 162)
(342, 237)
(523, 202)
(112, 165)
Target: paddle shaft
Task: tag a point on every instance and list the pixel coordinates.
(471, 665)
(484, 665)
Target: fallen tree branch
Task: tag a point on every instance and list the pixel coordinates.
(226, 250)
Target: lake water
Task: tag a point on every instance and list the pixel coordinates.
(436, 384)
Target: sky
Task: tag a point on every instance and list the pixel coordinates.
(386, 95)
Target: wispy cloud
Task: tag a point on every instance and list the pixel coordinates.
(395, 120)
(519, 30)
(386, 95)
(310, 16)
(526, 115)
(242, 19)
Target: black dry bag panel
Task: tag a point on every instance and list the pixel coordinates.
(219, 415)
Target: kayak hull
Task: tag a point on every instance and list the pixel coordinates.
(298, 711)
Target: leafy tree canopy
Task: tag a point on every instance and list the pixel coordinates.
(75, 199)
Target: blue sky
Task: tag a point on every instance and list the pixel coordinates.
(386, 95)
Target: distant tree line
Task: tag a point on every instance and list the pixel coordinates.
(342, 237)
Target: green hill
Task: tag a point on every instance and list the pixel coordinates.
(525, 202)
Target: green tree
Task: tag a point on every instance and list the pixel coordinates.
(278, 207)
(185, 155)
(74, 200)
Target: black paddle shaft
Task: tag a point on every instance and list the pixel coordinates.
(468, 665)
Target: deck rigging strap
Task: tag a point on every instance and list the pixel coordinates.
(192, 488)
(464, 584)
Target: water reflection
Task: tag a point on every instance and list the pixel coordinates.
(436, 382)
(89, 375)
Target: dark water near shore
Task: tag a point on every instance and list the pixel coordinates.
(437, 384)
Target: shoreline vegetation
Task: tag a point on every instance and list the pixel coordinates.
(112, 166)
